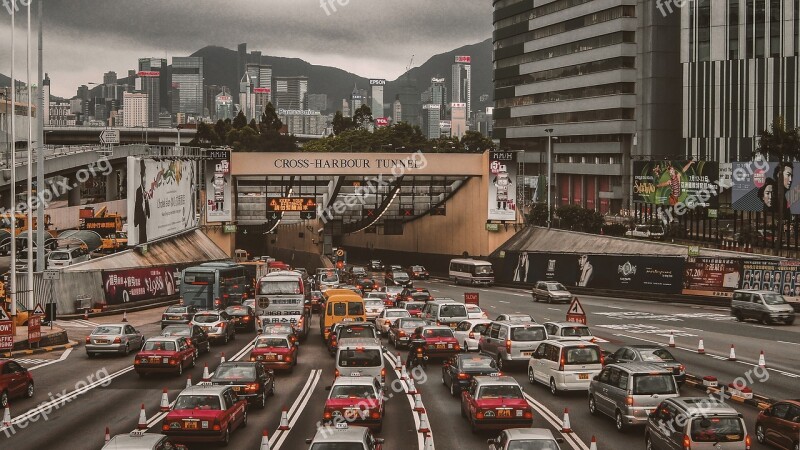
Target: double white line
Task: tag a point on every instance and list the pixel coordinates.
(396, 366)
(571, 438)
(276, 441)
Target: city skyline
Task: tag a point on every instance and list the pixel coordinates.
(75, 55)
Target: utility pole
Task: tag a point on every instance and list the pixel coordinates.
(40, 208)
(549, 132)
(13, 216)
(29, 196)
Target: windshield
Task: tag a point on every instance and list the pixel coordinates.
(528, 334)
(400, 275)
(453, 311)
(369, 357)
(582, 355)
(653, 384)
(717, 429)
(438, 332)
(196, 294)
(483, 270)
(556, 287)
(272, 343)
(473, 308)
(267, 287)
(278, 329)
(500, 391)
(107, 330)
(205, 402)
(356, 331)
(235, 372)
(167, 346)
(419, 295)
(478, 363)
(518, 318)
(412, 306)
(380, 295)
(59, 256)
(329, 278)
(532, 444)
(656, 355)
(342, 391)
(397, 314)
(237, 310)
(773, 299)
(373, 303)
(408, 324)
(355, 308)
(206, 318)
(176, 309)
(575, 331)
(178, 330)
(417, 269)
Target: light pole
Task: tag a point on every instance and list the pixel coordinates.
(549, 132)
(13, 216)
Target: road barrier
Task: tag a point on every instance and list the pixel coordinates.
(711, 386)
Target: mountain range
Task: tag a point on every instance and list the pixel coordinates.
(219, 66)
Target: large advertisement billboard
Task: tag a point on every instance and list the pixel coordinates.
(161, 198)
(219, 198)
(692, 183)
(712, 277)
(502, 188)
(756, 187)
(782, 276)
(133, 285)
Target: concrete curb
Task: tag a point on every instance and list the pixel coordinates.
(37, 351)
(758, 401)
(114, 312)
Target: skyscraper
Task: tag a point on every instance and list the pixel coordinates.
(246, 101)
(376, 94)
(397, 110)
(318, 102)
(261, 79)
(187, 74)
(136, 107)
(410, 100)
(154, 82)
(356, 100)
(461, 82)
(223, 105)
(46, 97)
(433, 104)
(110, 78)
(291, 92)
(241, 61)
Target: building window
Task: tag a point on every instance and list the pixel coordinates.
(568, 117)
(568, 94)
(603, 65)
(761, 28)
(733, 29)
(775, 28)
(584, 21)
(584, 45)
(704, 30)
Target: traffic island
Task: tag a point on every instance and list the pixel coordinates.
(50, 341)
(711, 386)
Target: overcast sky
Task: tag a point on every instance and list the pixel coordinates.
(372, 38)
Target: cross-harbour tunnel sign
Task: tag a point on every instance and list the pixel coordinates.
(350, 163)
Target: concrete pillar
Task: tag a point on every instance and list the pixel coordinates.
(112, 191)
(74, 195)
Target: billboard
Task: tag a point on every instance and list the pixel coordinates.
(377, 82)
(261, 90)
(133, 285)
(782, 276)
(381, 121)
(692, 183)
(711, 277)
(219, 197)
(756, 187)
(104, 226)
(149, 73)
(502, 192)
(464, 59)
(161, 199)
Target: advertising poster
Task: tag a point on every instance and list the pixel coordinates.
(711, 277)
(218, 186)
(161, 198)
(778, 276)
(692, 183)
(756, 187)
(133, 285)
(502, 188)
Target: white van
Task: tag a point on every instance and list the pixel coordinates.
(63, 257)
(471, 271)
(565, 365)
(360, 357)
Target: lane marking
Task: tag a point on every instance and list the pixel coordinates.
(554, 309)
(396, 365)
(503, 301)
(571, 438)
(62, 358)
(792, 343)
(613, 307)
(299, 408)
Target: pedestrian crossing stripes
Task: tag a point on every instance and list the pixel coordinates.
(32, 361)
(76, 323)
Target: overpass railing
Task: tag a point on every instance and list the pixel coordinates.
(58, 151)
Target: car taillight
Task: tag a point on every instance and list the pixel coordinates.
(479, 414)
(747, 442)
(561, 364)
(629, 400)
(508, 346)
(410, 299)
(327, 415)
(687, 443)
(247, 319)
(216, 426)
(457, 346)
(117, 340)
(401, 333)
(527, 415)
(165, 426)
(251, 387)
(336, 373)
(383, 373)
(252, 358)
(217, 302)
(682, 368)
(88, 339)
(163, 317)
(602, 359)
(376, 414)
(288, 358)
(463, 376)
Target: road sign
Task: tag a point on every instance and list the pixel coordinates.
(51, 275)
(34, 329)
(6, 331)
(471, 298)
(38, 310)
(575, 313)
(109, 136)
(339, 252)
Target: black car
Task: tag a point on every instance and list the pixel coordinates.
(376, 265)
(418, 273)
(249, 380)
(355, 273)
(242, 317)
(397, 278)
(416, 295)
(652, 354)
(177, 314)
(317, 300)
(458, 370)
(196, 334)
(366, 284)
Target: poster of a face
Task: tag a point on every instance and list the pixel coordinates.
(502, 186)
(762, 186)
(218, 186)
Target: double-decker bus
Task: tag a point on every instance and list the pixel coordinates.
(214, 285)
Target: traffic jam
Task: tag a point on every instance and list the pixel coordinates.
(366, 346)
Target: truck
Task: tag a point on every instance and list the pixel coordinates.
(280, 297)
(109, 226)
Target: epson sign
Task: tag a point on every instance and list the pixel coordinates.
(377, 82)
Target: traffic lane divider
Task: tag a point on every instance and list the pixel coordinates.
(758, 401)
(397, 365)
(38, 351)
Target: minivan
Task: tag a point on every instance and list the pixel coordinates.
(764, 306)
(699, 423)
(360, 357)
(565, 365)
(511, 342)
(63, 257)
(444, 312)
(630, 392)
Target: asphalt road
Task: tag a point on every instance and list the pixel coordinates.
(78, 420)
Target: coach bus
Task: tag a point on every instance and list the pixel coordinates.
(280, 297)
(214, 285)
(471, 271)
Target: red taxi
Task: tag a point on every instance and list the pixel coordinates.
(495, 403)
(205, 414)
(358, 400)
(413, 308)
(164, 354)
(441, 342)
(276, 352)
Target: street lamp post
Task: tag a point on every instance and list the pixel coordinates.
(549, 132)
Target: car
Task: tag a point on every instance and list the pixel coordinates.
(565, 365)
(165, 355)
(395, 267)
(765, 306)
(178, 314)
(242, 317)
(525, 438)
(275, 352)
(397, 278)
(250, 380)
(468, 333)
(630, 392)
(458, 371)
(698, 423)
(445, 312)
(550, 292)
(393, 292)
(414, 308)
(113, 338)
(356, 272)
(382, 296)
(317, 300)
(388, 316)
(439, 341)
(376, 265)
(360, 357)
(359, 400)
(141, 440)
(511, 343)
(15, 381)
(366, 284)
(217, 324)
(400, 330)
(418, 273)
(374, 307)
(475, 312)
(495, 403)
(341, 435)
(205, 414)
(345, 330)
(653, 354)
(196, 335)
(412, 294)
(778, 425)
(568, 330)
(279, 329)
(515, 318)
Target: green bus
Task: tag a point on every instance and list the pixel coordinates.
(214, 285)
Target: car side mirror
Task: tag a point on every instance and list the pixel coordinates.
(560, 440)
(309, 440)
(328, 388)
(596, 378)
(768, 412)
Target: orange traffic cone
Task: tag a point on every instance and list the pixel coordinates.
(423, 424)
(189, 381)
(418, 407)
(7, 415)
(403, 372)
(429, 442)
(108, 435)
(125, 316)
(206, 376)
(732, 356)
(761, 361)
(593, 445)
(164, 400)
(284, 420)
(671, 339)
(565, 427)
(222, 358)
(264, 440)
(412, 389)
(142, 419)
(700, 348)
(86, 314)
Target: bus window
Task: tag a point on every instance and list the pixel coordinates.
(355, 308)
(339, 309)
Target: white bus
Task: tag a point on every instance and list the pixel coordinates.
(471, 271)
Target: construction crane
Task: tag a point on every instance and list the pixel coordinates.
(408, 67)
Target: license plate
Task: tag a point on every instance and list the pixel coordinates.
(527, 353)
(101, 341)
(355, 374)
(155, 359)
(583, 376)
(190, 425)
(175, 317)
(503, 413)
(237, 388)
(439, 346)
(206, 328)
(270, 357)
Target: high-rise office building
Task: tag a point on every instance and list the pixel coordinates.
(210, 94)
(261, 79)
(153, 80)
(356, 99)
(410, 100)
(461, 82)
(397, 110)
(458, 119)
(46, 98)
(346, 108)
(433, 104)
(291, 92)
(241, 61)
(137, 109)
(246, 100)
(376, 95)
(187, 74)
(110, 78)
(318, 102)
(223, 106)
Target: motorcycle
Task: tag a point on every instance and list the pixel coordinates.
(416, 354)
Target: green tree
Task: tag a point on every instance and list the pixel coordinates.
(578, 218)
(205, 136)
(538, 215)
(341, 123)
(253, 125)
(240, 121)
(270, 122)
(474, 141)
(362, 118)
(221, 129)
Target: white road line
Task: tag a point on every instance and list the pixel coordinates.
(693, 329)
(572, 439)
(492, 306)
(518, 295)
(792, 343)
(317, 374)
(503, 301)
(396, 365)
(62, 358)
(554, 309)
(614, 307)
(762, 326)
(297, 401)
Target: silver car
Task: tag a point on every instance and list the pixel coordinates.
(374, 308)
(140, 440)
(550, 291)
(764, 306)
(523, 438)
(217, 324)
(114, 338)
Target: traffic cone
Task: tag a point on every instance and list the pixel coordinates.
(403, 372)
(412, 389)
(672, 339)
(142, 419)
(423, 424)
(206, 376)
(732, 356)
(189, 381)
(284, 420)
(593, 445)
(125, 316)
(264, 440)
(700, 348)
(108, 435)
(86, 314)
(7, 416)
(418, 407)
(761, 362)
(222, 358)
(164, 400)
(429, 442)
(565, 427)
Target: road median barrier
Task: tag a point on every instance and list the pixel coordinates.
(745, 395)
